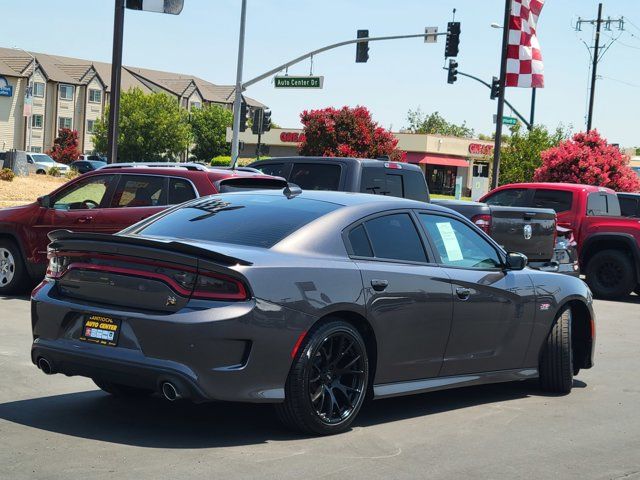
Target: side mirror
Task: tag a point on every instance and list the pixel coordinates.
(45, 201)
(516, 261)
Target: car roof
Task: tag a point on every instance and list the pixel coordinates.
(574, 187)
(180, 170)
(370, 162)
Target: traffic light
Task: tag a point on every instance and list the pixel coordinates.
(452, 74)
(256, 124)
(362, 48)
(453, 39)
(266, 121)
(495, 88)
(243, 116)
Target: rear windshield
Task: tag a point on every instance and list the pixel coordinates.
(241, 219)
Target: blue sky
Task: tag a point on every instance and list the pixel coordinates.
(399, 76)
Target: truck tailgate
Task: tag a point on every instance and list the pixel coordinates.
(526, 230)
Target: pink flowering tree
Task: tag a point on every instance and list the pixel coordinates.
(346, 132)
(587, 158)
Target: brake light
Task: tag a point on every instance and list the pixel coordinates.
(57, 266)
(483, 222)
(393, 165)
(215, 286)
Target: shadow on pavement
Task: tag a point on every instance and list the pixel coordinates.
(157, 423)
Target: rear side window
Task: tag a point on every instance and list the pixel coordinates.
(316, 176)
(415, 186)
(513, 197)
(603, 205)
(140, 191)
(360, 242)
(180, 190)
(558, 200)
(395, 237)
(275, 169)
(241, 219)
(404, 184)
(629, 206)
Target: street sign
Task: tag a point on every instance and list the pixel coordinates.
(430, 35)
(505, 120)
(298, 82)
(172, 7)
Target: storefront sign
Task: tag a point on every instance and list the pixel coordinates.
(6, 90)
(291, 137)
(298, 82)
(480, 149)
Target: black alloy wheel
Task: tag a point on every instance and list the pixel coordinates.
(338, 377)
(328, 380)
(610, 274)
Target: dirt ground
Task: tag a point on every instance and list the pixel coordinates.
(26, 189)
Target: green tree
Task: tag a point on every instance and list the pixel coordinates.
(209, 129)
(520, 152)
(152, 127)
(436, 124)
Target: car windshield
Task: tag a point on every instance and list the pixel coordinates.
(97, 164)
(42, 158)
(242, 219)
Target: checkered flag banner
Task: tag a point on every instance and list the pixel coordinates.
(524, 59)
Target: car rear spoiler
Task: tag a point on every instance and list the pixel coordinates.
(62, 238)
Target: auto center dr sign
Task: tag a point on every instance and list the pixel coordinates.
(6, 90)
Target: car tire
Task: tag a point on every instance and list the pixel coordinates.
(637, 290)
(610, 274)
(14, 278)
(121, 391)
(556, 361)
(327, 383)
(40, 172)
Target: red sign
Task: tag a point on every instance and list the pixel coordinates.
(480, 149)
(291, 137)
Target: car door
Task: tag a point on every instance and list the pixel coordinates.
(493, 308)
(135, 198)
(77, 207)
(408, 298)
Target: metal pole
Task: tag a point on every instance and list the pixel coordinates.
(116, 73)
(235, 142)
(258, 146)
(503, 78)
(533, 108)
(592, 94)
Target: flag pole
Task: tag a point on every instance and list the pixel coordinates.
(503, 78)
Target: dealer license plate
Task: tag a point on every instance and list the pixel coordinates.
(100, 329)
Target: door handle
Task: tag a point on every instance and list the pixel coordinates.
(379, 285)
(84, 219)
(463, 293)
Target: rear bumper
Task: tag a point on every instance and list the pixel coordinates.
(564, 261)
(228, 351)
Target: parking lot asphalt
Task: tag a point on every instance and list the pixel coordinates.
(54, 427)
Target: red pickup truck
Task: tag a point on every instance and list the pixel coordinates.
(106, 201)
(608, 244)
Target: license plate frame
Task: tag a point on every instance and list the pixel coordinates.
(101, 330)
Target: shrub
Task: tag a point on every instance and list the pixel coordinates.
(225, 161)
(587, 158)
(54, 172)
(71, 174)
(65, 146)
(7, 175)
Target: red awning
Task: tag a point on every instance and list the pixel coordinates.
(430, 159)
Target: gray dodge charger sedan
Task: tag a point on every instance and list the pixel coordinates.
(311, 301)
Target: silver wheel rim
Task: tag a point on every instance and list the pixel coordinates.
(7, 267)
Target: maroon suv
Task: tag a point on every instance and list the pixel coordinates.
(106, 201)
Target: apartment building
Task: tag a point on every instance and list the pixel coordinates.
(72, 93)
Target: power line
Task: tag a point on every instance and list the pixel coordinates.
(619, 81)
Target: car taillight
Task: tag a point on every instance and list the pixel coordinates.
(215, 286)
(483, 222)
(393, 165)
(57, 266)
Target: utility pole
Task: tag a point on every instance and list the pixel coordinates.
(596, 56)
(503, 81)
(235, 141)
(594, 68)
(533, 108)
(116, 73)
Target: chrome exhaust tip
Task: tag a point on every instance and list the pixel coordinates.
(45, 366)
(170, 392)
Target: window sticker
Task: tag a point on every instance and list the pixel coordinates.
(451, 245)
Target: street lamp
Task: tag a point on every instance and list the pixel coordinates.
(28, 93)
(495, 25)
